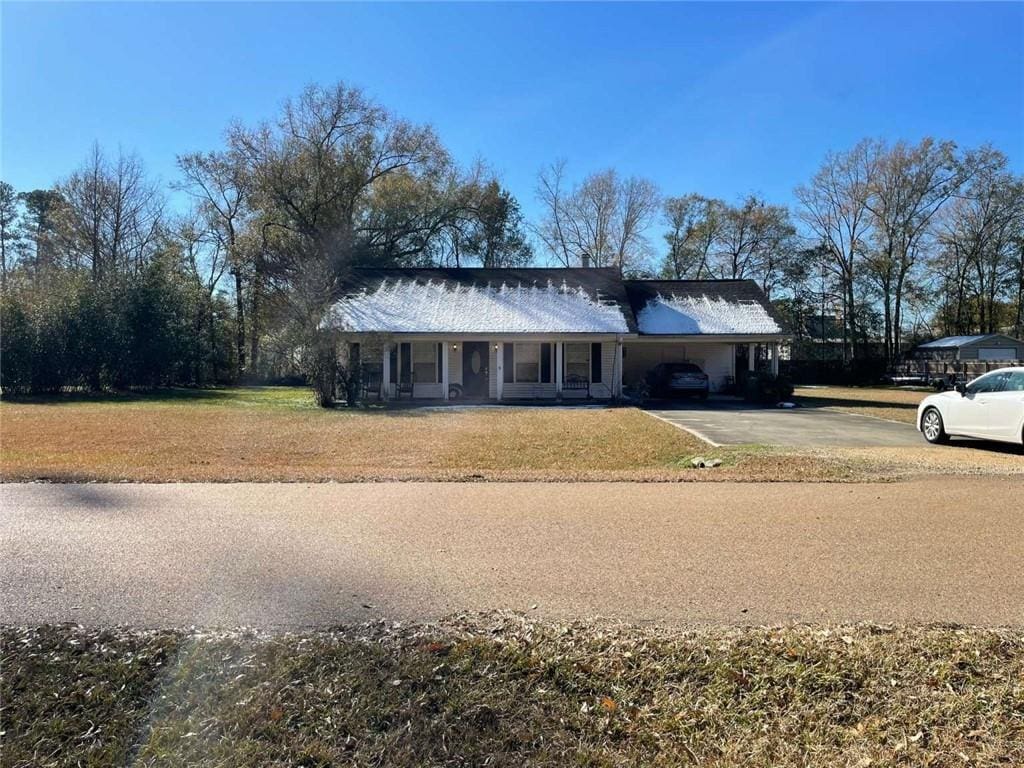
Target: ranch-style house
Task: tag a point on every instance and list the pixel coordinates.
(535, 334)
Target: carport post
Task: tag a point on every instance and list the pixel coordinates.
(751, 356)
(385, 377)
(775, 358)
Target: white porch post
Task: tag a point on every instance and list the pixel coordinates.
(444, 368)
(499, 368)
(751, 357)
(775, 358)
(617, 373)
(385, 378)
(558, 368)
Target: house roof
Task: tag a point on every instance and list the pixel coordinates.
(953, 342)
(484, 301)
(702, 307)
(590, 300)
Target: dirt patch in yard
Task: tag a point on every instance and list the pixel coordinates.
(507, 691)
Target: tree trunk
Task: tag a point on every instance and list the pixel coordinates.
(239, 321)
(254, 324)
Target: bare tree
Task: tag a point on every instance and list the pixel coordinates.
(909, 185)
(111, 214)
(222, 185)
(202, 248)
(980, 239)
(602, 222)
(752, 237)
(694, 226)
(834, 207)
(554, 230)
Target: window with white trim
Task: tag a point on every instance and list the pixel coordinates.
(424, 363)
(527, 363)
(577, 362)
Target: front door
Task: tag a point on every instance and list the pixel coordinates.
(474, 369)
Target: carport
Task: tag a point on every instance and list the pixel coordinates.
(724, 361)
(727, 327)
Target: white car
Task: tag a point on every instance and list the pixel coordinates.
(990, 407)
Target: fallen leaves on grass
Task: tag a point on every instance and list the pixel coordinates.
(511, 691)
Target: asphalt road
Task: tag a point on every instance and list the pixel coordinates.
(276, 556)
(723, 423)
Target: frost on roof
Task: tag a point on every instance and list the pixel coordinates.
(694, 315)
(408, 306)
(954, 341)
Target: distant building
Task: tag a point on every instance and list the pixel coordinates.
(985, 347)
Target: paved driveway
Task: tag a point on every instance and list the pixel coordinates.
(285, 555)
(724, 422)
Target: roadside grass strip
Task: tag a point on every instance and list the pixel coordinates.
(502, 690)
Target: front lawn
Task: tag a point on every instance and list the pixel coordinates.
(502, 691)
(892, 403)
(277, 433)
(264, 434)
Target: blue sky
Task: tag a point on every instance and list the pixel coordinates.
(720, 99)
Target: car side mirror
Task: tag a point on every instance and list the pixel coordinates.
(961, 388)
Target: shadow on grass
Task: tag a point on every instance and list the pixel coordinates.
(172, 395)
(989, 446)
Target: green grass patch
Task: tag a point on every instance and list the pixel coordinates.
(252, 398)
(500, 690)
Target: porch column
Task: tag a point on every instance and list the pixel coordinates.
(751, 357)
(385, 378)
(499, 367)
(775, 358)
(444, 368)
(617, 373)
(558, 368)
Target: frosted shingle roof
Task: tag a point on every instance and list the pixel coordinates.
(702, 307)
(484, 301)
(954, 341)
(543, 301)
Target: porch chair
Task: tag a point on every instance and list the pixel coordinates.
(577, 383)
(371, 385)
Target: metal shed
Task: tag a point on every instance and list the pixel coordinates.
(985, 347)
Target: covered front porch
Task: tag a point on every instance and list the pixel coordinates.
(487, 369)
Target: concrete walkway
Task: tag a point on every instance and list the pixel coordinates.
(291, 555)
(736, 423)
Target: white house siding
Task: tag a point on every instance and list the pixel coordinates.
(454, 362)
(717, 360)
(428, 391)
(527, 391)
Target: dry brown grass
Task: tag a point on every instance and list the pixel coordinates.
(503, 691)
(883, 402)
(278, 434)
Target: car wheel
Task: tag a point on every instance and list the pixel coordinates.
(932, 427)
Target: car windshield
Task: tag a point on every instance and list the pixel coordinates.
(684, 368)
